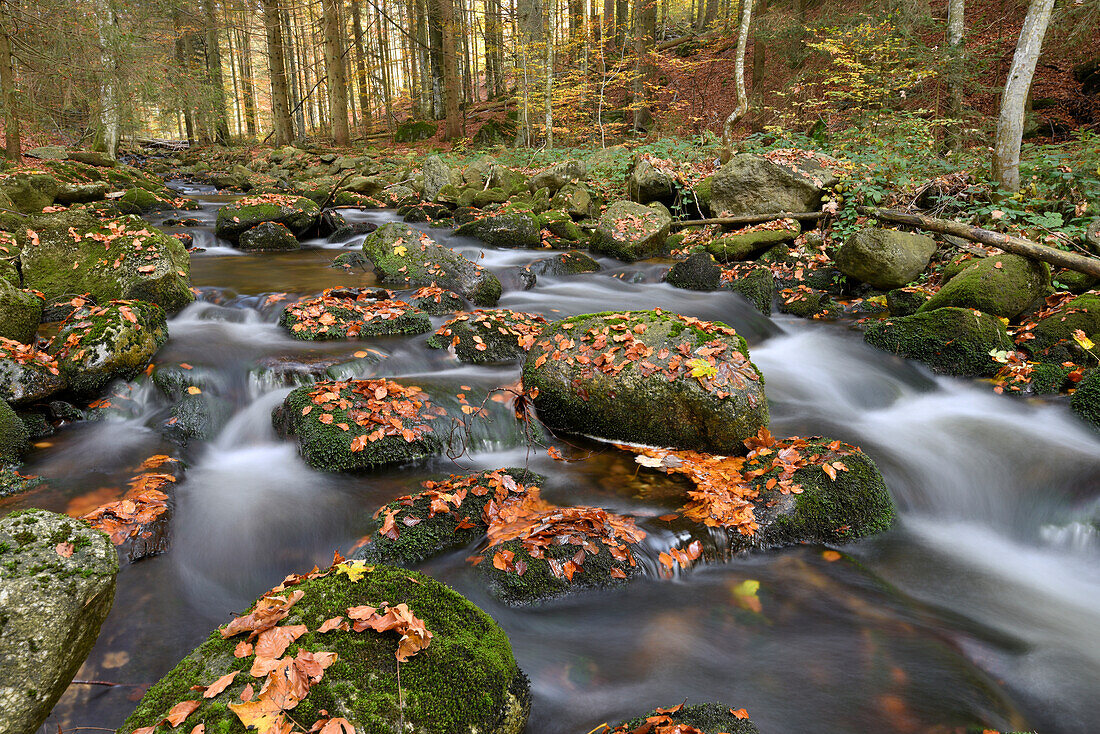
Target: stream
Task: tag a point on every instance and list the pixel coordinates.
(980, 607)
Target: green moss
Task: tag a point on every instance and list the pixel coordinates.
(708, 718)
(298, 214)
(757, 285)
(809, 303)
(747, 245)
(1086, 399)
(953, 341)
(1004, 285)
(539, 583)
(1054, 334)
(1048, 379)
(13, 435)
(488, 337)
(410, 321)
(461, 683)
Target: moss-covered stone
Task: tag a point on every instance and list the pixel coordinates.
(560, 225)
(630, 231)
(197, 418)
(706, 718)
(1048, 379)
(72, 253)
(505, 229)
(809, 303)
(406, 256)
(436, 301)
(297, 213)
(1004, 285)
(558, 175)
(488, 337)
(414, 130)
(352, 313)
(1085, 400)
(699, 272)
(142, 201)
(30, 193)
(13, 435)
(746, 245)
(27, 375)
(647, 183)
(953, 341)
(268, 237)
(1053, 335)
(756, 283)
(650, 359)
(79, 193)
(103, 343)
(905, 301)
(885, 258)
(57, 584)
(465, 681)
(20, 312)
(573, 262)
(576, 201)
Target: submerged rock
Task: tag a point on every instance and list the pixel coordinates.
(572, 262)
(952, 341)
(703, 718)
(457, 672)
(296, 213)
(630, 231)
(70, 253)
(404, 255)
(1004, 285)
(885, 258)
(504, 229)
(269, 237)
(57, 584)
(352, 313)
(102, 343)
(602, 374)
(485, 337)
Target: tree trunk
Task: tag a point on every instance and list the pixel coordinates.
(248, 92)
(445, 10)
(710, 16)
(1010, 124)
(387, 72)
(276, 64)
(645, 37)
(214, 72)
(759, 50)
(334, 69)
(955, 31)
(742, 106)
(530, 15)
(108, 86)
(548, 93)
(12, 147)
(360, 64)
(622, 22)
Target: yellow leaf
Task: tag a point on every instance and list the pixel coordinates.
(1084, 341)
(193, 390)
(400, 250)
(354, 569)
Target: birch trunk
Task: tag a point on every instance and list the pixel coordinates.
(742, 106)
(108, 88)
(1010, 124)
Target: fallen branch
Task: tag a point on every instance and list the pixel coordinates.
(1015, 245)
(749, 219)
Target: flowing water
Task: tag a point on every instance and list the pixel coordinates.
(981, 606)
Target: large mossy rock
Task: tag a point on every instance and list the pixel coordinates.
(27, 375)
(952, 341)
(488, 337)
(269, 237)
(752, 184)
(362, 424)
(699, 272)
(1004, 285)
(885, 258)
(142, 201)
(30, 193)
(602, 374)
(1085, 400)
(406, 256)
(103, 343)
(747, 245)
(647, 183)
(558, 175)
(465, 681)
(20, 312)
(352, 313)
(1053, 334)
(13, 435)
(505, 229)
(703, 718)
(630, 231)
(413, 130)
(72, 253)
(296, 213)
(57, 584)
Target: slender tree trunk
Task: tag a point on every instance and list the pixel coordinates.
(955, 30)
(531, 34)
(235, 78)
(360, 64)
(108, 87)
(1010, 124)
(276, 63)
(387, 71)
(742, 106)
(711, 14)
(214, 72)
(645, 36)
(334, 69)
(248, 93)
(13, 146)
(622, 22)
(548, 94)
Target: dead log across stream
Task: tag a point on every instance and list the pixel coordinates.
(1015, 245)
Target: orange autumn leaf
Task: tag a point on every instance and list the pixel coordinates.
(220, 684)
(178, 713)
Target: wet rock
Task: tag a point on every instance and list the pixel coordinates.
(102, 343)
(57, 584)
(1053, 335)
(13, 435)
(558, 175)
(487, 337)
(614, 366)
(406, 256)
(885, 258)
(699, 272)
(952, 341)
(705, 718)
(1085, 400)
(629, 231)
(296, 213)
(905, 301)
(436, 301)
(747, 245)
(27, 375)
(808, 303)
(464, 680)
(1005, 285)
(343, 234)
(505, 229)
(20, 312)
(350, 260)
(268, 237)
(198, 417)
(755, 282)
(352, 313)
(126, 259)
(573, 262)
(647, 183)
(561, 225)
(752, 184)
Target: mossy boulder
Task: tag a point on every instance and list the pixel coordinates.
(92, 158)
(630, 231)
(561, 225)
(1085, 400)
(704, 718)
(905, 301)
(198, 417)
(269, 237)
(72, 253)
(885, 258)
(57, 584)
(575, 200)
(752, 184)
(809, 303)
(698, 272)
(465, 681)
(296, 213)
(748, 244)
(414, 130)
(80, 193)
(142, 201)
(30, 193)
(13, 435)
(1053, 334)
(952, 341)
(573, 262)
(601, 374)
(558, 175)
(1004, 285)
(755, 282)
(505, 229)
(352, 313)
(488, 337)
(648, 183)
(20, 312)
(103, 343)
(406, 256)
(436, 301)
(27, 375)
